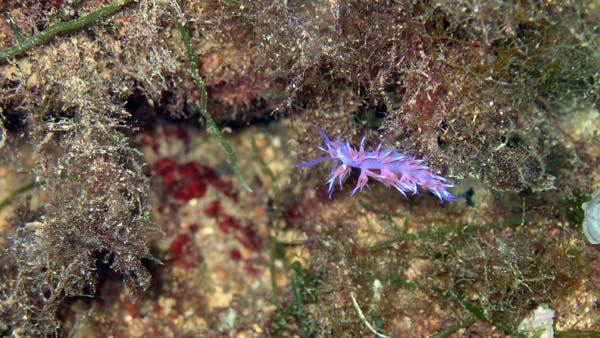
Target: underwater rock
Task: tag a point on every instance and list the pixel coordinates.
(539, 323)
(591, 222)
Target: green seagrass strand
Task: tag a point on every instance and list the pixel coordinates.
(185, 33)
(60, 28)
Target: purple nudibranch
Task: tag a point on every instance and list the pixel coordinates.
(387, 166)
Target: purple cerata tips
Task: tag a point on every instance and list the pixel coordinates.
(387, 166)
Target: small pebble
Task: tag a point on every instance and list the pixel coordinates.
(591, 221)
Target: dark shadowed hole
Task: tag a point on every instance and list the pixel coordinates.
(143, 115)
(46, 292)
(14, 123)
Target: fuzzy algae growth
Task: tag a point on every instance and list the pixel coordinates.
(136, 216)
